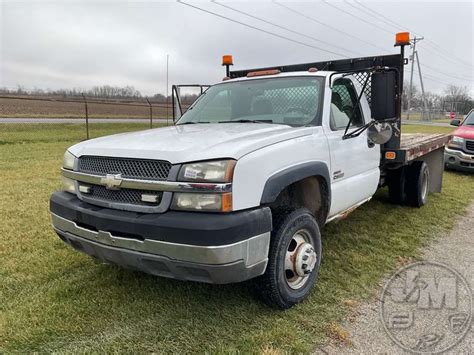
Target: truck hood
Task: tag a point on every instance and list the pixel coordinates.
(466, 132)
(194, 142)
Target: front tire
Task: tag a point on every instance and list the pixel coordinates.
(294, 259)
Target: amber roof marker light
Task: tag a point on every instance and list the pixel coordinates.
(402, 38)
(227, 61)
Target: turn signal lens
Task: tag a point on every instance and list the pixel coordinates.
(68, 185)
(390, 155)
(68, 160)
(202, 202)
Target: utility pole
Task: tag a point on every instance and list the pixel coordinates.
(425, 106)
(167, 85)
(412, 58)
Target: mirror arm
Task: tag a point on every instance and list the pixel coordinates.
(345, 136)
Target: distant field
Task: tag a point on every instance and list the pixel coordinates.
(51, 109)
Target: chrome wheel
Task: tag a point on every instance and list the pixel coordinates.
(300, 259)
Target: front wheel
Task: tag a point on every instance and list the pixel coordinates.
(294, 259)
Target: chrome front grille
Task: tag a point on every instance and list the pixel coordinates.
(127, 196)
(129, 168)
(123, 198)
(470, 146)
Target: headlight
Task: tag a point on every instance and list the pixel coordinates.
(211, 171)
(457, 140)
(69, 185)
(202, 202)
(68, 160)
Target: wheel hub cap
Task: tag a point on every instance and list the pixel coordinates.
(305, 259)
(300, 259)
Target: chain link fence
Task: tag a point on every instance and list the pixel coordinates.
(45, 119)
(429, 115)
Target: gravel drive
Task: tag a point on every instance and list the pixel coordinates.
(366, 331)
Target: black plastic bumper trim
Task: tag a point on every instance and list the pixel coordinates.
(173, 226)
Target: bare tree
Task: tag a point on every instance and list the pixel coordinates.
(457, 98)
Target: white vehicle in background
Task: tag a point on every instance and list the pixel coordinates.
(243, 183)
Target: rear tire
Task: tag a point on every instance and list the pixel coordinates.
(294, 259)
(417, 184)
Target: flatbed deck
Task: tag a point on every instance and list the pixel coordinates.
(415, 145)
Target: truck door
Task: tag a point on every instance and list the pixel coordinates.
(355, 161)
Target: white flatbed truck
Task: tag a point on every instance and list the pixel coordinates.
(240, 187)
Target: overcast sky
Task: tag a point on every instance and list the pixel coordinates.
(80, 44)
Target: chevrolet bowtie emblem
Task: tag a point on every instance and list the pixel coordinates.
(112, 181)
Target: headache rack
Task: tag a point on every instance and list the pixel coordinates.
(361, 69)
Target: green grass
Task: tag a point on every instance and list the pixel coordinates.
(65, 132)
(409, 128)
(56, 299)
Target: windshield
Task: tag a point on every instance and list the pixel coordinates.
(469, 120)
(294, 101)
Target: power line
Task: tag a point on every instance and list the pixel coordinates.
(450, 75)
(260, 29)
(445, 57)
(394, 24)
(282, 27)
(326, 25)
(357, 17)
(383, 18)
(377, 18)
(433, 78)
(440, 48)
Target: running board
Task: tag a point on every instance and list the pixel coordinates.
(345, 213)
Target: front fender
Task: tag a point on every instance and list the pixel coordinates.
(279, 181)
(261, 175)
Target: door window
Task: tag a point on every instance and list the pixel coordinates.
(343, 102)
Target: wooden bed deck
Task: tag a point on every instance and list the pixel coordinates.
(418, 144)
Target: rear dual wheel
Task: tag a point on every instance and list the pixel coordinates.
(417, 184)
(409, 184)
(294, 259)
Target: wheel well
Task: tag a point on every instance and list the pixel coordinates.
(311, 192)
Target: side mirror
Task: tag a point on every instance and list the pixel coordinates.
(383, 95)
(455, 122)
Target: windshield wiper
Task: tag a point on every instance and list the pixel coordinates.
(247, 121)
(190, 122)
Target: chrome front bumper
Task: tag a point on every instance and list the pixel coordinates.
(229, 263)
(457, 159)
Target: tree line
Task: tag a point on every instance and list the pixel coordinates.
(96, 92)
(454, 98)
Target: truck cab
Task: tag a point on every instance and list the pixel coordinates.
(240, 187)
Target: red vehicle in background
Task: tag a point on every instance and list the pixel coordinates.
(459, 153)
